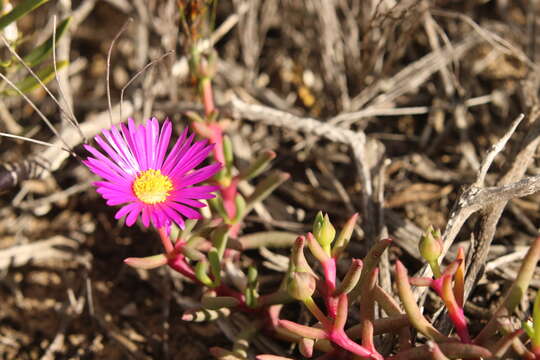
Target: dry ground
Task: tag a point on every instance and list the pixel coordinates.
(432, 85)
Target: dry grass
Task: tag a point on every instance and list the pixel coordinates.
(383, 107)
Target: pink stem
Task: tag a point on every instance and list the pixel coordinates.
(329, 269)
(179, 264)
(454, 310)
(442, 286)
(166, 240)
(436, 285)
(228, 193)
(340, 338)
(207, 96)
(217, 139)
(536, 352)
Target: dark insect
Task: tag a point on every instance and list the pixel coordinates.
(13, 173)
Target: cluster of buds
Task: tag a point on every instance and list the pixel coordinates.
(328, 333)
(359, 286)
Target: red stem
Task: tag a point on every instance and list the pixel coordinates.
(340, 338)
(207, 96)
(179, 264)
(166, 241)
(329, 269)
(228, 193)
(442, 286)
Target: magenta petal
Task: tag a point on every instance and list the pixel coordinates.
(186, 211)
(145, 216)
(163, 143)
(194, 155)
(175, 216)
(192, 203)
(199, 175)
(195, 192)
(124, 210)
(133, 215)
(176, 153)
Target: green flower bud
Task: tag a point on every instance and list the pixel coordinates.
(301, 285)
(324, 231)
(317, 224)
(431, 247)
(431, 244)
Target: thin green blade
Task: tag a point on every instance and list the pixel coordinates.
(19, 11)
(30, 83)
(37, 55)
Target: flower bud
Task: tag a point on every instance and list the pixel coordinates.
(324, 231)
(301, 285)
(431, 245)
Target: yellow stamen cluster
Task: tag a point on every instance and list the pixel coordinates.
(152, 187)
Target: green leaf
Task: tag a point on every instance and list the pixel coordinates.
(536, 321)
(258, 165)
(220, 236)
(240, 204)
(217, 206)
(265, 188)
(30, 83)
(228, 154)
(529, 329)
(215, 266)
(200, 273)
(37, 55)
(19, 11)
(274, 239)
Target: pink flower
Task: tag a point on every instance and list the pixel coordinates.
(139, 173)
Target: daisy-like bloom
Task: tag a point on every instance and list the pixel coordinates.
(139, 173)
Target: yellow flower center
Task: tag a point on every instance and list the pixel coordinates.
(152, 187)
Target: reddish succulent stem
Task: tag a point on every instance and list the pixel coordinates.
(443, 287)
(436, 285)
(329, 268)
(228, 193)
(179, 264)
(341, 339)
(207, 96)
(335, 329)
(536, 351)
(217, 139)
(214, 133)
(177, 261)
(166, 241)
